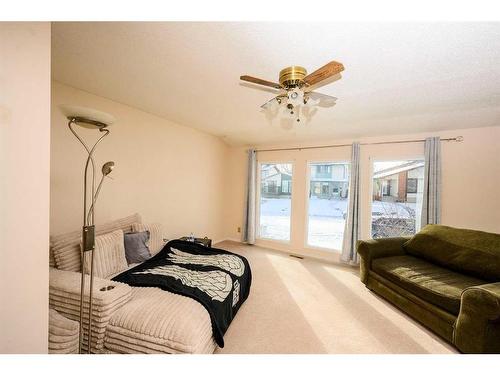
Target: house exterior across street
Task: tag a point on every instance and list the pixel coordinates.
(276, 180)
(397, 198)
(329, 180)
(401, 183)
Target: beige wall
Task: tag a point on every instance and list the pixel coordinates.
(470, 192)
(168, 173)
(24, 186)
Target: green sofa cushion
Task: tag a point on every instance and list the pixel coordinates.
(468, 251)
(436, 285)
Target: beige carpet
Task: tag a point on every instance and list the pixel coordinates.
(306, 306)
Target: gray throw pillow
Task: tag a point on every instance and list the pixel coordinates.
(136, 250)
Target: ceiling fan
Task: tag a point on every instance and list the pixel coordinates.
(294, 87)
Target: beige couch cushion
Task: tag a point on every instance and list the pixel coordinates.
(109, 255)
(156, 242)
(65, 248)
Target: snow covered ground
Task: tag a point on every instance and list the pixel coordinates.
(326, 219)
(275, 218)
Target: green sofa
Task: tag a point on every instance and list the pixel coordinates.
(446, 278)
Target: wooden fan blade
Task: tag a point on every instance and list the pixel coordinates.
(325, 82)
(330, 69)
(259, 81)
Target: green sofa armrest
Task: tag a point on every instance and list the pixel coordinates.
(379, 248)
(477, 329)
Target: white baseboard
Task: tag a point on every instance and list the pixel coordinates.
(226, 239)
(311, 253)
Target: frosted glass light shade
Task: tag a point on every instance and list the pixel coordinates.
(84, 113)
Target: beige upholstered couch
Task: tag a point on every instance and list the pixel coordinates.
(126, 319)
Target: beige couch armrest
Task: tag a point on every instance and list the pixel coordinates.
(68, 282)
(107, 297)
(379, 248)
(477, 329)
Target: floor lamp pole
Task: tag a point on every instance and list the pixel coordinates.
(88, 229)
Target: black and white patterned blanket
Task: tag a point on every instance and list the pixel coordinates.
(218, 279)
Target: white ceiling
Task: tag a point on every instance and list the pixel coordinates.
(399, 77)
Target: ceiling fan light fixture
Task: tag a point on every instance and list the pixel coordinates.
(296, 96)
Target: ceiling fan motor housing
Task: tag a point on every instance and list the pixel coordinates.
(292, 76)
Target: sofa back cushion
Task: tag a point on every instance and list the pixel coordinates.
(468, 251)
(65, 248)
(109, 255)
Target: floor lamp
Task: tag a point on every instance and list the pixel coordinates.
(90, 119)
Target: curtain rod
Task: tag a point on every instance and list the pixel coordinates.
(455, 139)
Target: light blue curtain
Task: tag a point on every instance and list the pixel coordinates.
(352, 229)
(431, 200)
(249, 219)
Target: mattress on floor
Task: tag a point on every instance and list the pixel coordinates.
(157, 321)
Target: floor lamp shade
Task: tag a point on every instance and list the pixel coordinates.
(87, 117)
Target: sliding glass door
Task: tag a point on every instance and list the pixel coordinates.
(327, 204)
(275, 204)
(397, 198)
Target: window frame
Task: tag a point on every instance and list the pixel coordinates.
(416, 186)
